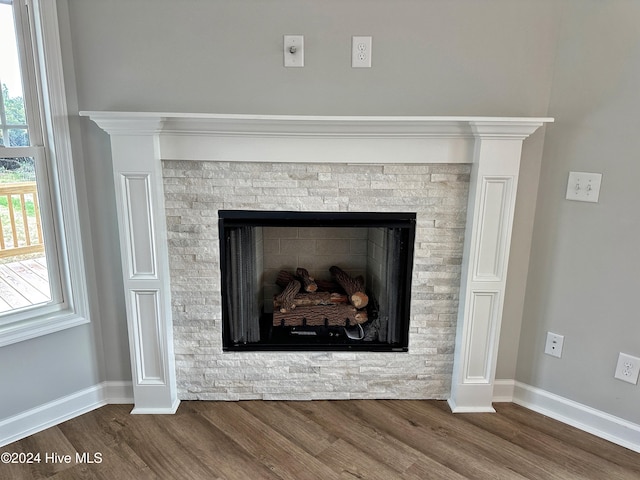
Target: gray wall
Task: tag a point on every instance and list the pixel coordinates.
(585, 261)
(429, 58)
(577, 60)
(440, 57)
(35, 372)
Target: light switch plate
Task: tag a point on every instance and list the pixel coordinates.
(584, 186)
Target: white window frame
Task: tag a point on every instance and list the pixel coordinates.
(51, 147)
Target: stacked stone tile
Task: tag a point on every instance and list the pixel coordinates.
(195, 191)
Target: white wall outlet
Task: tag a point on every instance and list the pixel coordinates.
(627, 368)
(584, 187)
(554, 344)
(293, 50)
(361, 52)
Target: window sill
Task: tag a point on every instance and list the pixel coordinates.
(39, 325)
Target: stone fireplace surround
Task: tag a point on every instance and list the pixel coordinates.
(218, 161)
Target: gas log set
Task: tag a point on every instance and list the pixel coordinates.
(307, 302)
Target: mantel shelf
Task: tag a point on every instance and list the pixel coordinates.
(323, 139)
(133, 123)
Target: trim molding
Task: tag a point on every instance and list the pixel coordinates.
(503, 390)
(583, 417)
(157, 411)
(62, 409)
(324, 139)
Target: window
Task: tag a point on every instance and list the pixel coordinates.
(24, 273)
(42, 279)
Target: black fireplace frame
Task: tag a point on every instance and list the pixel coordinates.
(404, 222)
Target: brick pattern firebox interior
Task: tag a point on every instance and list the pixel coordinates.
(195, 191)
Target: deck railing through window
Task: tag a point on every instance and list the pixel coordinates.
(19, 220)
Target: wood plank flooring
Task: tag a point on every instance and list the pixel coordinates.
(328, 440)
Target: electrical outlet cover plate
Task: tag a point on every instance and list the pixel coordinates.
(361, 52)
(554, 344)
(584, 186)
(627, 368)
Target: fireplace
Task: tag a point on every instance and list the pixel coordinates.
(338, 281)
(174, 173)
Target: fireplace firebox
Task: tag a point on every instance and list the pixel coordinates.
(316, 280)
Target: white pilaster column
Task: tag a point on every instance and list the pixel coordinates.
(137, 171)
(492, 198)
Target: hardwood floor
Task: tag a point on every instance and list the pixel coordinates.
(358, 439)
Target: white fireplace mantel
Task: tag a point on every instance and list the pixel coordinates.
(140, 140)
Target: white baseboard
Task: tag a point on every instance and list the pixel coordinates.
(157, 411)
(62, 409)
(118, 392)
(596, 422)
(503, 390)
